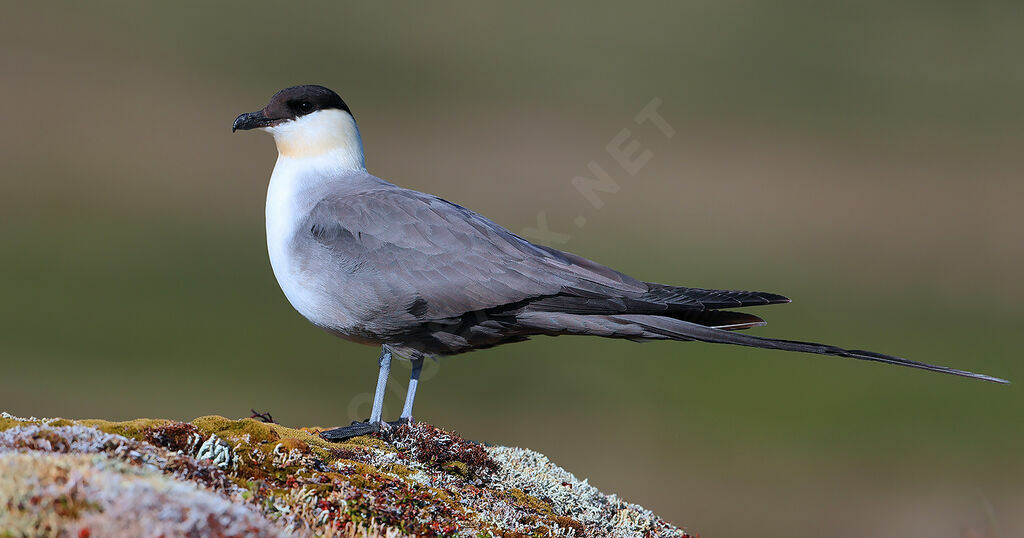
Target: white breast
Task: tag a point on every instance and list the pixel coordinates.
(318, 154)
(287, 207)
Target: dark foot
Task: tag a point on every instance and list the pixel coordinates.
(356, 429)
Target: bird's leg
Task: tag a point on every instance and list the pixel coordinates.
(414, 380)
(374, 424)
(382, 382)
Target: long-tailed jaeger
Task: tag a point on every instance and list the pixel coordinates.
(421, 277)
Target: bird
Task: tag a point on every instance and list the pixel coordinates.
(422, 277)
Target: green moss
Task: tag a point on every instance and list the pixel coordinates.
(457, 468)
(367, 441)
(529, 501)
(363, 468)
(397, 469)
(7, 423)
(254, 432)
(246, 430)
(312, 440)
(132, 428)
(442, 495)
(12, 422)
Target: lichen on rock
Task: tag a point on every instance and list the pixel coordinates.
(221, 477)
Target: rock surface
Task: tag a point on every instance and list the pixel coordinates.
(226, 478)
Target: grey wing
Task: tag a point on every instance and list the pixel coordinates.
(427, 274)
(436, 260)
(446, 280)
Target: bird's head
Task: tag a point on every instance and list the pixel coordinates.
(307, 121)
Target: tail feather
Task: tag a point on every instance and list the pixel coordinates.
(660, 326)
(672, 301)
(719, 319)
(679, 296)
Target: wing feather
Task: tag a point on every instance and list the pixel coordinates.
(418, 247)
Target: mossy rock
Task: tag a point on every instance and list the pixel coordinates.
(132, 429)
(414, 479)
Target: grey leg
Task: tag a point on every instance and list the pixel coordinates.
(414, 380)
(382, 382)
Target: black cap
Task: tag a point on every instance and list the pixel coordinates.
(289, 104)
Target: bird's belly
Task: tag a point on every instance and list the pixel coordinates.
(296, 287)
(314, 289)
(320, 288)
(303, 292)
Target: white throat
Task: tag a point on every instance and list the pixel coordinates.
(326, 135)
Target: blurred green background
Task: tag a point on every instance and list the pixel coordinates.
(862, 158)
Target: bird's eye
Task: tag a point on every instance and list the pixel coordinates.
(304, 107)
